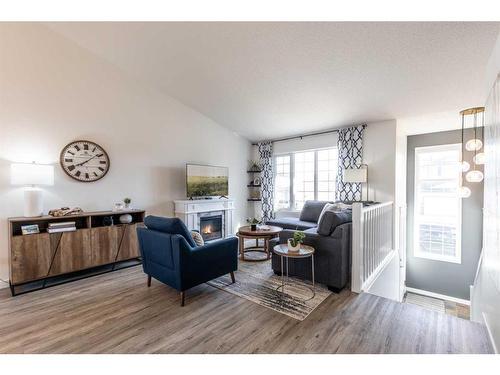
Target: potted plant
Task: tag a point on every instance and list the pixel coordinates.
(295, 241)
(127, 202)
(254, 166)
(253, 221)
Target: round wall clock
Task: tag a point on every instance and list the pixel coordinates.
(84, 161)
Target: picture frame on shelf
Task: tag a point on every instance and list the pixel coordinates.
(30, 229)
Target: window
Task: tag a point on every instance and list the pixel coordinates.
(304, 175)
(282, 182)
(438, 206)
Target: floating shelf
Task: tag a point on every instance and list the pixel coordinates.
(254, 199)
(254, 171)
(252, 185)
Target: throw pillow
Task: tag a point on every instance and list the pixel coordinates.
(197, 238)
(331, 220)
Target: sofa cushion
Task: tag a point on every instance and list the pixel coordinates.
(291, 223)
(312, 210)
(331, 219)
(169, 225)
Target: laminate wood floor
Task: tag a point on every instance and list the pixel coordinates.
(117, 313)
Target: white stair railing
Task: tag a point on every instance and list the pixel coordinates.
(372, 243)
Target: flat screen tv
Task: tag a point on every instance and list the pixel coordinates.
(206, 181)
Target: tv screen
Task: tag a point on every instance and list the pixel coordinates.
(206, 181)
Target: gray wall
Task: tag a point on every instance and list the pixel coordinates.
(446, 278)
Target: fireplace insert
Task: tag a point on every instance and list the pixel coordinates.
(211, 227)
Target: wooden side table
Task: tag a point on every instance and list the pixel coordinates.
(247, 233)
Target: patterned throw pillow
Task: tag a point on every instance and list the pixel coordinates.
(197, 238)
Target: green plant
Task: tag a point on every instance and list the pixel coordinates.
(127, 200)
(298, 238)
(254, 165)
(253, 221)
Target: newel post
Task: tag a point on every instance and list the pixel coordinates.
(357, 247)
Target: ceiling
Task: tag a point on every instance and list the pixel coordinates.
(266, 80)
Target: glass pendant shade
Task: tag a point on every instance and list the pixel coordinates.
(464, 192)
(464, 166)
(474, 176)
(479, 158)
(473, 145)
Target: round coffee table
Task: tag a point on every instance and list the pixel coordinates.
(246, 232)
(305, 251)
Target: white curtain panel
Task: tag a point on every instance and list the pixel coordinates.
(491, 212)
(267, 183)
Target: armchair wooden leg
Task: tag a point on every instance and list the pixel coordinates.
(232, 277)
(182, 298)
(149, 280)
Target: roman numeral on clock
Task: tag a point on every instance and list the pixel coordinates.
(71, 167)
(101, 169)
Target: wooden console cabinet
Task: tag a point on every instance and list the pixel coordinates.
(43, 256)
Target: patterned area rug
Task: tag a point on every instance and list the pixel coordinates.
(256, 282)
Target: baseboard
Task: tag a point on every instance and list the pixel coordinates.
(437, 295)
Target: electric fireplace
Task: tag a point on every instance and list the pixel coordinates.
(211, 227)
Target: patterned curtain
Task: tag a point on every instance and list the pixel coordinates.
(267, 183)
(350, 147)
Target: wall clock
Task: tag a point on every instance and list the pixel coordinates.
(84, 161)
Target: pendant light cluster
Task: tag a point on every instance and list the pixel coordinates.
(472, 145)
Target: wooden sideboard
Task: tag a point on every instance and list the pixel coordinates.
(39, 259)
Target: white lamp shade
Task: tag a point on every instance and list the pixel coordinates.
(355, 175)
(31, 174)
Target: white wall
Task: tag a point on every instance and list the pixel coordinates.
(379, 153)
(485, 294)
(53, 92)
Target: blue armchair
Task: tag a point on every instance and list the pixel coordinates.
(170, 255)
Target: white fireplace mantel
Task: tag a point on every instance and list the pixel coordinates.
(189, 211)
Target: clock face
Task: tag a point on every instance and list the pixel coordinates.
(84, 161)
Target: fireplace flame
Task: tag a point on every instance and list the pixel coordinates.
(207, 229)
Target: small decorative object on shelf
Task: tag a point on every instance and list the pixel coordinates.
(256, 181)
(107, 221)
(65, 211)
(127, 202)
(254, 166)
(295, 242)
(118, 206)
(30, 229)
(253, 221)
(125, 219)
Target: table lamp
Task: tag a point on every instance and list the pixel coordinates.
(357, 175)
(32, 175)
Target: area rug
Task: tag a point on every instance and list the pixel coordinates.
(256, 282)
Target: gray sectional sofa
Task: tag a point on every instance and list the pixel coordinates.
(331, 239)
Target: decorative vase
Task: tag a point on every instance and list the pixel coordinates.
(125, 219)
(291, 248)
(253, 227)
(107, 221)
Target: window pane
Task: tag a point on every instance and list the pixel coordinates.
(327, 174)
(303, 182)
(282, 182)
(437, 203)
